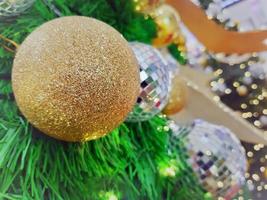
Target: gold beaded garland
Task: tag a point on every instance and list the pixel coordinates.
(75, 78)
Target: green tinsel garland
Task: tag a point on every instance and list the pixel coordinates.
(129, 163)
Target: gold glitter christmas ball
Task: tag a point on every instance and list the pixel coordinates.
(178, 96)
(75, 78)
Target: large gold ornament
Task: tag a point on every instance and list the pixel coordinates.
(75, 78)
(167, 20)
(178, 96)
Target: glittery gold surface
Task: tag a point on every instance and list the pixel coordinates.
(178, 96)
(75, 78)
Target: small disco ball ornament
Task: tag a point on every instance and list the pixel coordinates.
(11, 8)
(154, 83)
(216, 156)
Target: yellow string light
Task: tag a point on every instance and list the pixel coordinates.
(221, 80)
(228, 91)
(236, 84)
(247, 74)
(257, 123)
(250, 154)
(244, 106)
(254, 86)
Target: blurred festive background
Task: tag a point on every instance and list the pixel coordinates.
(240, 80)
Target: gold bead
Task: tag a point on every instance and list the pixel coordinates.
(242, 90)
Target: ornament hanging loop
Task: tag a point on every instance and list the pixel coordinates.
(8, 44)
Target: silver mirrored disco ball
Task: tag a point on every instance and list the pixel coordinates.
(155, 81)
(215, 155)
